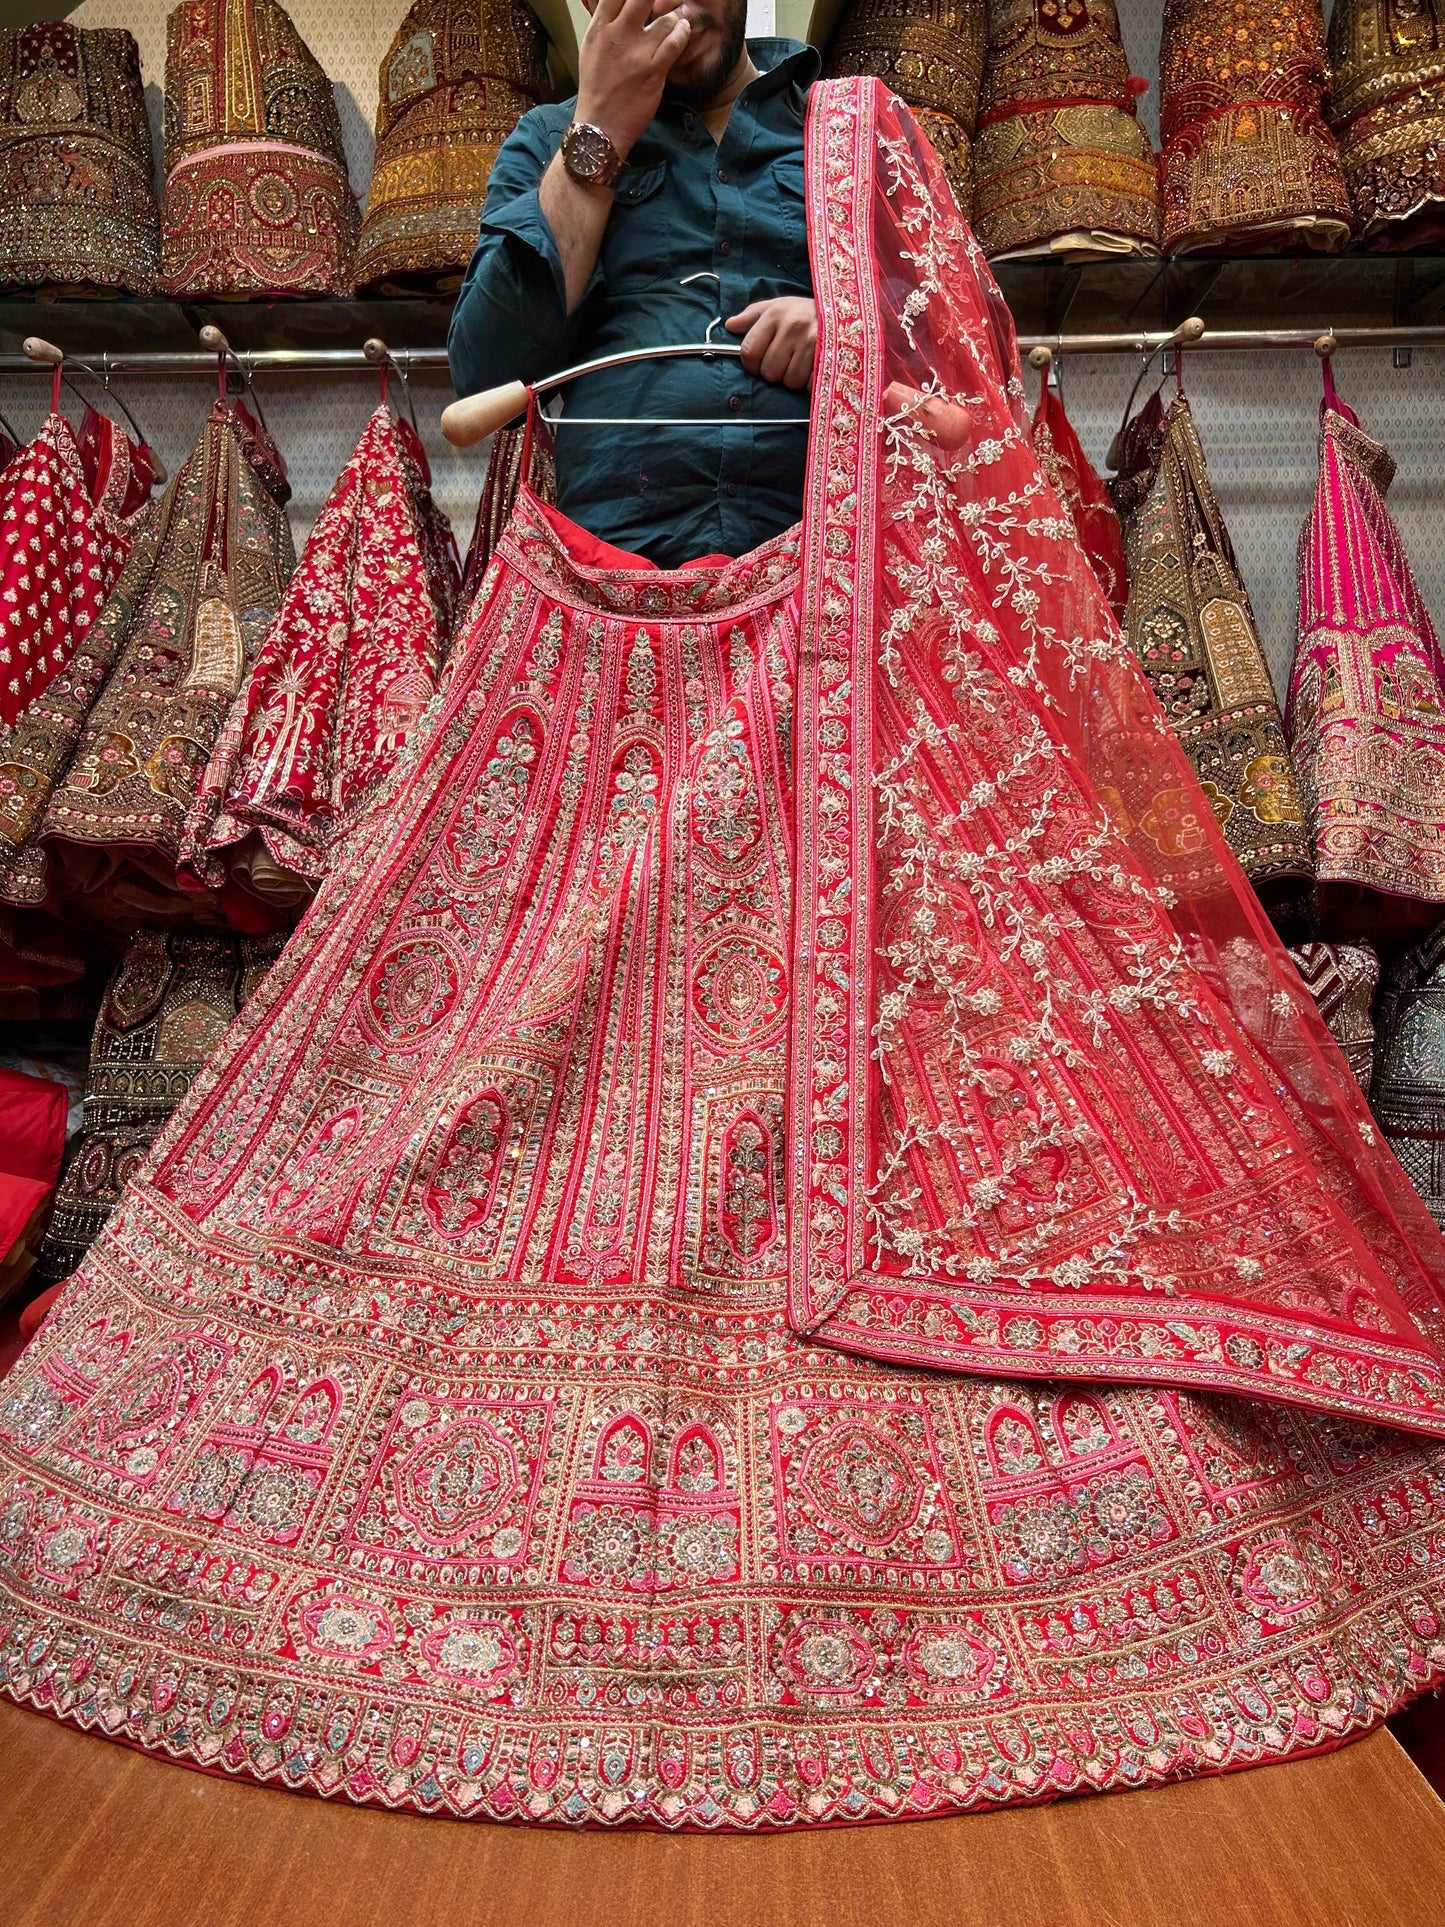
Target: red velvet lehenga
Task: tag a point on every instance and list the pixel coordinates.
(783, 1244)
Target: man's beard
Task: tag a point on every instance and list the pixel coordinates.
(699, 89)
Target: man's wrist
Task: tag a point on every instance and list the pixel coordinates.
(591, 154)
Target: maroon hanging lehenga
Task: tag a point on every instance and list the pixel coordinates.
(756, 973)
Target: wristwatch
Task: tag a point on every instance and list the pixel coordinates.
(589, 156)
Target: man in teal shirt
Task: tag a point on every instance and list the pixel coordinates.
(668, 193)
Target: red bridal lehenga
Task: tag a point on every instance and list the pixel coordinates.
(783, 1244)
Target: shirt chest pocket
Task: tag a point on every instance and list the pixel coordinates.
(788, 197)
(635, 242)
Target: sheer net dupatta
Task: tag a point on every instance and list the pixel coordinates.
(1060, 1107)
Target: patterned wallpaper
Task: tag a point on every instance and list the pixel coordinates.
(1256, 413)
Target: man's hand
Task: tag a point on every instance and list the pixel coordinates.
(780, 338)
(626, 55)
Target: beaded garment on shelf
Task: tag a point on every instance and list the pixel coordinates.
(1061, 159)
(256, 198)
(1367, 693)
(1248, 160)
(340, 680)
(478, 1403)
(452, 87)
(931, 55)
(1388, 112)
(77, 203)
(1191, 625)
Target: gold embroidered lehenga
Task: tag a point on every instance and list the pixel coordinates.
(932, 56)
(452, 87)
(770, 1252)
(1063, 164)
(1191, 626)
(1388, 112)
(1248, 161)
(77, 203)
(256, 199)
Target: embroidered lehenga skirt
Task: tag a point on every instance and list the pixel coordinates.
(707, 1286)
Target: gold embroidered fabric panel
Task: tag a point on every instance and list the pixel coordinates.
(1248, 160)
(1061, 159)
(931, 53)
(1191, 626)
(452, 87)
(77, 202)
(1388, 112)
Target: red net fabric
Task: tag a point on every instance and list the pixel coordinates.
(1060, 1104)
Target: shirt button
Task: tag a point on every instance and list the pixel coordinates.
(732, 488)
(735, 402)
(722, 174)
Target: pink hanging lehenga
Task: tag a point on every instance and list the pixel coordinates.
(1366, 711)
(500, 1392)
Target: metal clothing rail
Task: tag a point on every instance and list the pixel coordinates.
(1240, 340)
(277, 361)
(354, 361)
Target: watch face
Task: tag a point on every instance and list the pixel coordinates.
(586, 151)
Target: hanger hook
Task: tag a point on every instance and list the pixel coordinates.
(212, 337)
(1184, 336)
(380, 356)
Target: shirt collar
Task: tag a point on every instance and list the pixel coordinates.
(781, 63)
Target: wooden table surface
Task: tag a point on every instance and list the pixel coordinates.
(94, 1835)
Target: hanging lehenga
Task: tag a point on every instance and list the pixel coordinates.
(72, 503)
(75, 505)
(1083, 494)
(340, 680)
(1191, 625)
(116, 772)
(1367, 697)
(759, 972)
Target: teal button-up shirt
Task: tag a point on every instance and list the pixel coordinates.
(684, 205)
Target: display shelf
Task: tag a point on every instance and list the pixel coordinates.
(1236, 291)
(1048, 299)
(125, 327)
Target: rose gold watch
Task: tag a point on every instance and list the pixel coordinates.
(589, 156)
